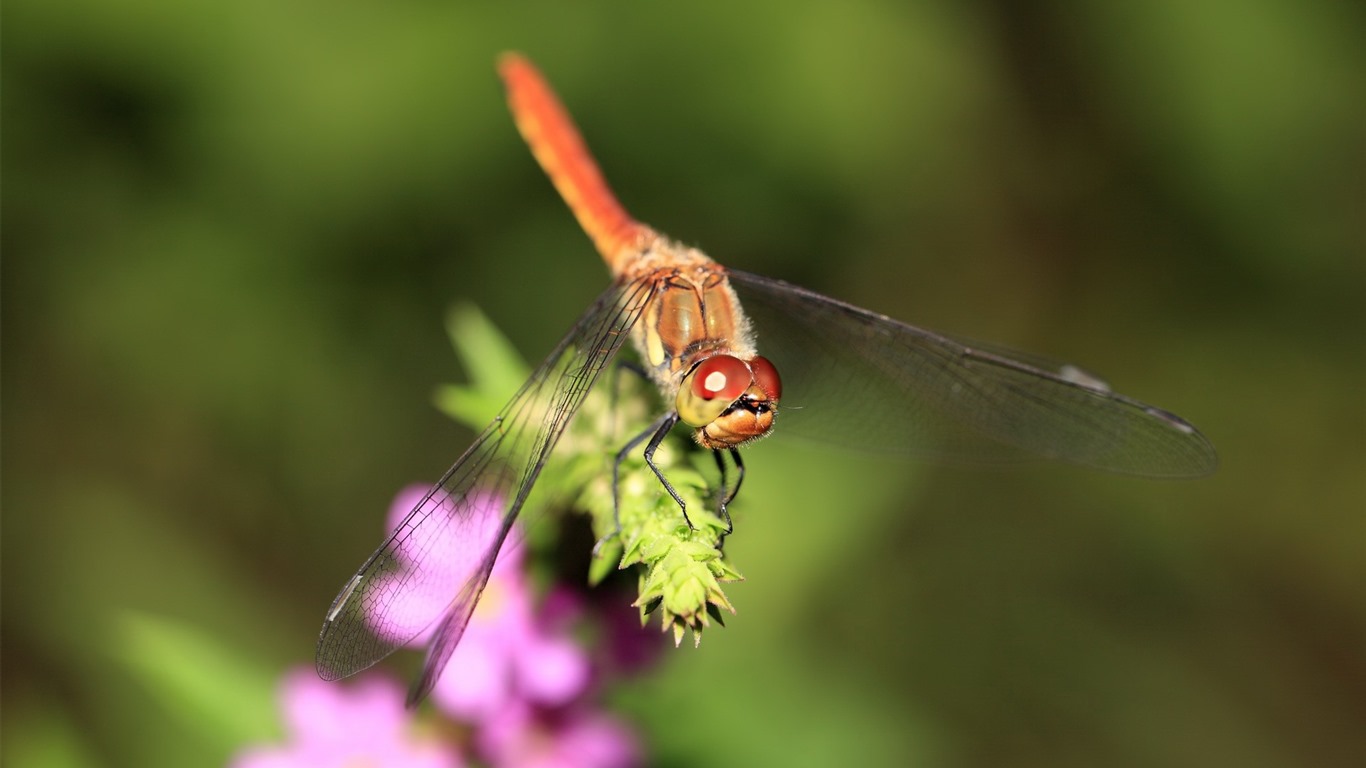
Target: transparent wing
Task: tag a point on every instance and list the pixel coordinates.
(855, 377)
(436, 563)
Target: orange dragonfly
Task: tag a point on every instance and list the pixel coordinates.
(853, 376)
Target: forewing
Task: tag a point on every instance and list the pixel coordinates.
(435, 564)
(855, 377)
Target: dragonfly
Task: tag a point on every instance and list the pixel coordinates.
(849, 376)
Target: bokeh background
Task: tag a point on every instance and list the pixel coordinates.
(232, 232)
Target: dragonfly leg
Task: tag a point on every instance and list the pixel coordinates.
(727, 498)
(662, 427)
(659, 428)
(634, 367)
(616, 477)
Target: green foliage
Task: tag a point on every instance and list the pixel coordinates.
(202, 684)
(683, 567)
(494, 368)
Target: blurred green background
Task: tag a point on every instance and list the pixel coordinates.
(231, 233)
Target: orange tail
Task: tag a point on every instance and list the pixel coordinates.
(556, 143)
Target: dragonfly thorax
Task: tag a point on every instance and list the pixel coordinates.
(698, 345)
(691, 314)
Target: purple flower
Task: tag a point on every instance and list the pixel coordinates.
(442, 550)
(336, 726)
(575, 737)
(505, 654)
(628, 647)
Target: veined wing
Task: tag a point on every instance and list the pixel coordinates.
(855, 377)
(410, 582)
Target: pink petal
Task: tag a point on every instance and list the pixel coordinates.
(332, 725)
(446, 535)
(329, 713)
(404, 502)
(597, 740)
(412, 614)
(517, 738)
(552, 671)
(476, 680)
(447, 548)
(264, 757)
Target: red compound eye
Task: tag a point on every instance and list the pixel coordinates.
(766, 376)
(721, 376)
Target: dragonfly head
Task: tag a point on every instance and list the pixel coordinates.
(729, 401)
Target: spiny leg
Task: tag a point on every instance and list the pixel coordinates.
(665, 423)
(740, 475)
(621, 367)
(727, 498)
(662, 424)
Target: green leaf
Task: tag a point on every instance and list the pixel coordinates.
(495, 369)
(204, 684)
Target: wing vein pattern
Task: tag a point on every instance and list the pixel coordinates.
(430, 572)
(863, 380)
